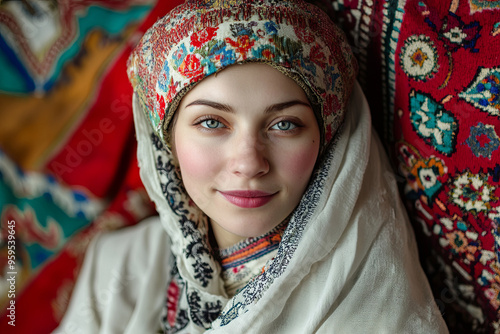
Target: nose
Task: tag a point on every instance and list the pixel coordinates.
(249, 158)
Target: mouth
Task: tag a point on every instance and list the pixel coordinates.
(248, 198)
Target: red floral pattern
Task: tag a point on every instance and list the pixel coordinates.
(203, 36)
(431, 73)
(242, 45)
(160, 105)
(191, 67)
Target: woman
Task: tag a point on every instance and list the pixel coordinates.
(277, 210)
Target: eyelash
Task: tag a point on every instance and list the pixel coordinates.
(289, 123)
(202, 124)
(204, 119)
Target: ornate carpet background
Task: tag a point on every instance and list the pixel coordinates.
(68, 166)
(431, 71)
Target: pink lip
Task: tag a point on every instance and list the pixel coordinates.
(248, 198)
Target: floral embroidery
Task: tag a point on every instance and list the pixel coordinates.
(160, 103)
(196, 249)
(205, 313)
(472, 192)
(484, 91)
(241, 45)
(426, 174)
(458, 241)
(419, 58)
(172, 90)
(265, 52)
(201, 37)
(496, 29)
(454, 32)
(483, 140)
(191, 67)
(304, 35)
(162, 79)
(178, 57)
(493, 293)
(202, 53)
(174, 317)
(231, 313)
(434, 124)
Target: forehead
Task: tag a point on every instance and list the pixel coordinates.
(258, 83)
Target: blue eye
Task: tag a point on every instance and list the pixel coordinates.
(212, 124)
(284, 126)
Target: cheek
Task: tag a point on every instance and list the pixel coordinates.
(299, 161)
(197, 162)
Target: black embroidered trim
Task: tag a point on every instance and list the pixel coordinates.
(203, 316)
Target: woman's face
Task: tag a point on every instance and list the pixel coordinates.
(247, 142)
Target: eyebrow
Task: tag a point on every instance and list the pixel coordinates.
(270, 109)
(284, 105)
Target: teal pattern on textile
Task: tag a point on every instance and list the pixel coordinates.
(17, 78)
(46, 212)
(433, 123)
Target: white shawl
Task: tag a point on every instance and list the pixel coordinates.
(347, 262)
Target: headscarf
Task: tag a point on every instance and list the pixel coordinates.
(347, 251)
(200, 38)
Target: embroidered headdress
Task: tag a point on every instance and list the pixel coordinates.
(200, 38)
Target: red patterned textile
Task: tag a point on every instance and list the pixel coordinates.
(431, 72)
(68, 166)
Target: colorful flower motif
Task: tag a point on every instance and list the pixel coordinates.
(493, 294)
(455, 35)
(426, 173)
(472, 192)
(454, 32)
(271, 28)
(419, 58)
(179, 55)
(203, 36)
(241, 29)
(164, 77)
(264, 51)
(484, 91)
(191, 67)
(223, 55)
(433, 123)
(317, 56)
(241, 45)
(304, 35)
(160, 106)
(458, 241)
(172, 90)
(483, 140)
(485, 279)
